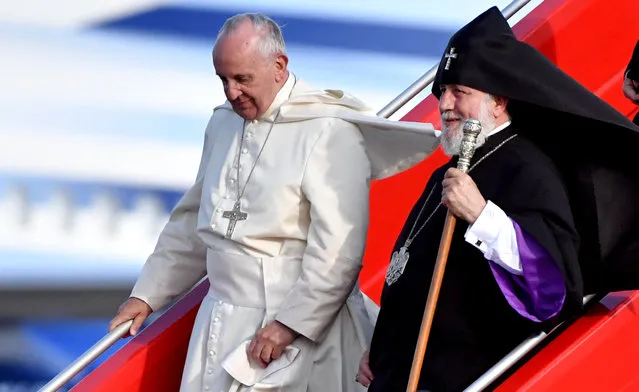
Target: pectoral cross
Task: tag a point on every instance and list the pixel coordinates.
(449, 56)
(234, 216)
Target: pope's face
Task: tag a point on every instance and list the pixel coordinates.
(250, 78)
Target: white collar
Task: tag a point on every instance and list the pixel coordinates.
(282, 96)
(499, 128)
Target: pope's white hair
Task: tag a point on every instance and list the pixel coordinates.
(271, 41)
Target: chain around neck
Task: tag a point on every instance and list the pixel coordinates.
(239, 155)
(412, 237)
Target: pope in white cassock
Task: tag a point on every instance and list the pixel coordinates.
(277, 218)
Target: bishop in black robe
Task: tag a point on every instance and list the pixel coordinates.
(561, 171)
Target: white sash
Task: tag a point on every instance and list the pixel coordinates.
(253, 282)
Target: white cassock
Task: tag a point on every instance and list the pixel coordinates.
(297, 255)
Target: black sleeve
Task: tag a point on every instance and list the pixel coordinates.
(541, 207)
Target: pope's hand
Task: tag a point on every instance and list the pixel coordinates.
(269, 343)
(461, 195)
(132, 309)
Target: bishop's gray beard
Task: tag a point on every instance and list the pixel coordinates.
(451, 137)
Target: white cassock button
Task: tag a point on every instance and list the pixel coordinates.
(211, 353)
(245, 150)
(213, 337)
(215, 320)
(213, 226)
(209, 371)
(232, 180)
(206, 388)
(218, 209)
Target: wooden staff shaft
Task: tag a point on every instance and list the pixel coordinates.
(471, 129)
(431, 302)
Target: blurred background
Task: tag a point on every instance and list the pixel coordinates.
(103, 105)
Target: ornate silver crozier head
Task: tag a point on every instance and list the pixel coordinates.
(472, 128)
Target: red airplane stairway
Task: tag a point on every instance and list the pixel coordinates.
(591, 40)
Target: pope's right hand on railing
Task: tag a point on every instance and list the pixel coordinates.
(132, 309)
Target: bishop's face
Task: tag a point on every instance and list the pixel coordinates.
(250, 78)
(458, 103)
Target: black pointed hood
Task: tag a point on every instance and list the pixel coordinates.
(486, 55)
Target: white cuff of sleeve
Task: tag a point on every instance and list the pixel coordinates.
(494, 235)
